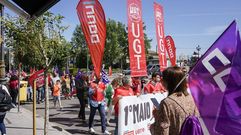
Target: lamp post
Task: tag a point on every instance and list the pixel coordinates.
(198, 50)
(2, 63)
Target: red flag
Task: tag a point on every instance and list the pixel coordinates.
(110, 71)
(136, 39)
(158, 12)
(93, 24)
(23, 74)
(34, 70)
(31, 70)
(171, 49)
(39, 77)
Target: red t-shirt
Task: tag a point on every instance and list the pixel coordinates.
(136, 86)
(121, 91)
(99, 91)
(13, 84)
(153, 87)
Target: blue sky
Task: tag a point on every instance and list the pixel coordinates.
(189, 22)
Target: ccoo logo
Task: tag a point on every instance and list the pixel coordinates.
(134, 12)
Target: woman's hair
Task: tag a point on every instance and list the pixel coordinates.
(155, 74)
(115, 82)
(125, 81)
(172, 77)
(13, 78)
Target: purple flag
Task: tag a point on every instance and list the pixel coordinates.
(56, 69)
(79, 74)
(104, 77)
(215, 84)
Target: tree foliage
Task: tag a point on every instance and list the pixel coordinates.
(39, 42)
(116, 47)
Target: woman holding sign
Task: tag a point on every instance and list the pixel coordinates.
(124, 90)
(173, 110)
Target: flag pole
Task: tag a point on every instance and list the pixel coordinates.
(34, 108)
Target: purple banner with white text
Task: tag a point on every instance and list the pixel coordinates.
(215, 83)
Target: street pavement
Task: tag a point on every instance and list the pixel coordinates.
(67, 118)
(21, 123)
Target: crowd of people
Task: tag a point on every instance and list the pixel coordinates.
(97, 94)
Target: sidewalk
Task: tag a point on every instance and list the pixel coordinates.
(21, 123)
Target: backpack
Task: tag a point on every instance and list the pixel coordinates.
(191, 125)
(5, 100)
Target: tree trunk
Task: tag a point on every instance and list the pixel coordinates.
(46, 115)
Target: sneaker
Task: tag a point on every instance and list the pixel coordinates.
(107, 133)
(108, 123)
(91, 130)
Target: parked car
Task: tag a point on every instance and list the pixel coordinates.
(153, 68)
(127, 71)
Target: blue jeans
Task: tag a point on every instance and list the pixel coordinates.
(101, 109)
(2, 125)
(42, 91)
(116, 126)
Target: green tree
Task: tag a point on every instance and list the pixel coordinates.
(113, 49)
(147, 41)
(37, 43)
(79, 47)
(116, 47)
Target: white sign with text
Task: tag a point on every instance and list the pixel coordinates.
(135, 114)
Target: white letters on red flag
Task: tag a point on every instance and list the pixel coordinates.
(171, 49)
(136, 38)
(93, 24)
(158, 12)
(39, 77)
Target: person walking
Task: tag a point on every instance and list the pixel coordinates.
(81, 90)
(66, 86)
(72, 87)
(13, 85)
(29, 92)
(174, 109)
(120, 92)
(97, 102)
(5, 105)
(56, 94)
(108, 96)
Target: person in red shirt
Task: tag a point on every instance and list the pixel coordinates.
(97, 102)
(136, 85)
(13, 86)
(124, 90)
(154, 85)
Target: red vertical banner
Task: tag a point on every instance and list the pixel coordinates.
(171, 49)
(159, 20)
(136, 38)
(93, 24)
